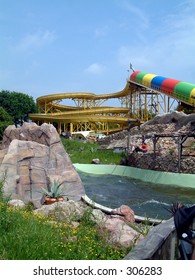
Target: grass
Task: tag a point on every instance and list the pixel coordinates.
(81, 152)
(26, 236)
(190, 148)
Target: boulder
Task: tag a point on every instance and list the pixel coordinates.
(45, 134)
(96, 161)
(112, 227)
(98, 217)
(34, 156)
(68, 211)
(126, 213)
(16, 203)
(121, 233)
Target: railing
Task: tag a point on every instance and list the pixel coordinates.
(159, 244)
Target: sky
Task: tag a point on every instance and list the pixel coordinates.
(60, 46)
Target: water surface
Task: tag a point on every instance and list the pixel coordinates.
(146, 199)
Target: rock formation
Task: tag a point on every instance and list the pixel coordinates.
(166, 148)
(32, 157)
(118, 228)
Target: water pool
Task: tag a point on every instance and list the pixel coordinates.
(146, 199)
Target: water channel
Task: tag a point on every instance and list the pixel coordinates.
(146, 199)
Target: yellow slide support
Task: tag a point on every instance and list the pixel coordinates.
(88, 114)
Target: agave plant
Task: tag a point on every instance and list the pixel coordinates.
(53, 190)
(174, 207)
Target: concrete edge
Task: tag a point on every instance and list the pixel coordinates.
(151, 176)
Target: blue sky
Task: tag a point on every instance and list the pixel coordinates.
(87, 45)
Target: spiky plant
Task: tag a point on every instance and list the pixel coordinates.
(175, 206)
(53, 190)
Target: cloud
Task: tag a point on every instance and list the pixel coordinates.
(136, 21)
(35, 40)
(137, 15)
(94, 68)
(170, 52)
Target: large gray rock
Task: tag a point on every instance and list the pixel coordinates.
(32, 157)
(66, 211)
(121, 233)
(45, 134)
(16, 203)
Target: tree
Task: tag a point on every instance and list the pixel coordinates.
(17, 105)
(5, 120)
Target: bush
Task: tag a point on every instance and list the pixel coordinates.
(5, 121)
(17, 104)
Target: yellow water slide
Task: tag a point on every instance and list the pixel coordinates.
(88, 113)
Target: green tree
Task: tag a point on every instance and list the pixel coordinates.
(5, 120)
(18, 105)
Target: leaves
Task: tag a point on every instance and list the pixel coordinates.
(53, 190)
(17, 105)
(5, 120)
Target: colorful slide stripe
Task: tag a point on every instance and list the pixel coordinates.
(185, 92)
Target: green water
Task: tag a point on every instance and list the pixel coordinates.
(146, 199)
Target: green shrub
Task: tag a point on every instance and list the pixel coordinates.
(5, 121)
(3, 198)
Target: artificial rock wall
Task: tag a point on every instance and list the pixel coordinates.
(31, 157)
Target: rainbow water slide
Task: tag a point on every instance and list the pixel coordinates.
(90, 115)
(182, 91)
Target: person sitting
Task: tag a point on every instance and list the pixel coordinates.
(137, 149)
(144, 147)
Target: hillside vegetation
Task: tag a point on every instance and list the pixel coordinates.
(85, 152)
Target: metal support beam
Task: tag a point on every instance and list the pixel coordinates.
(130, 122)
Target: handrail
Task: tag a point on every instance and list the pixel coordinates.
(159, 244)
